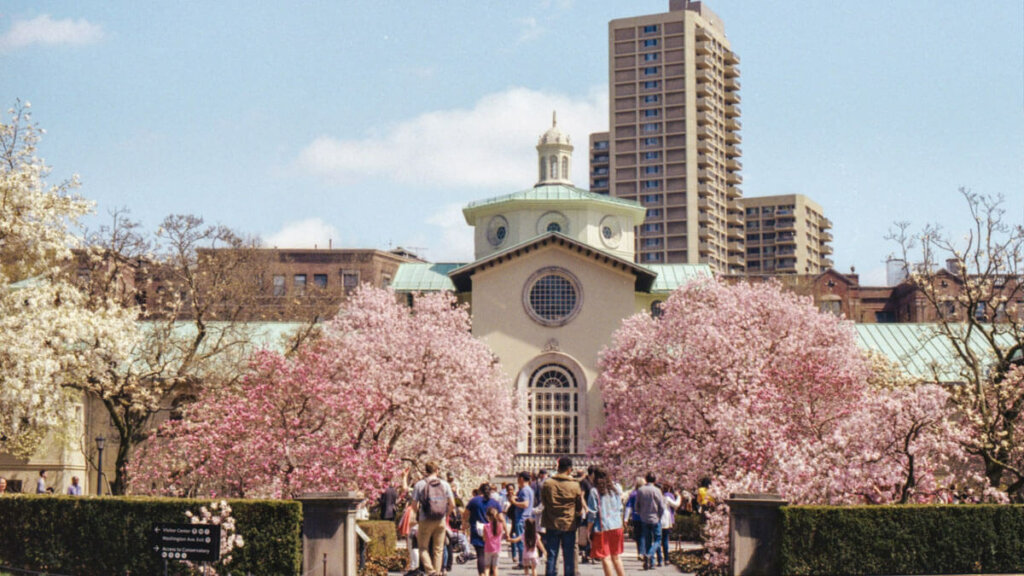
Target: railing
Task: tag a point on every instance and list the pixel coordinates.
(535, 462)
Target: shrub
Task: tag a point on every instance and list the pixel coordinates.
(383, 538)
(102, 536)
(908, 539)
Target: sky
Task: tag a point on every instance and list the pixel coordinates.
(371, 124)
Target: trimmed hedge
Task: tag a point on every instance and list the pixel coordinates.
(111, 535)
(383, 538)
(906, 539)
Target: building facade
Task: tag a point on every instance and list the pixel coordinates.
(786, 234)
(673, 139)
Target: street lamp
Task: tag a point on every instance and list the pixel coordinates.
(100, 442)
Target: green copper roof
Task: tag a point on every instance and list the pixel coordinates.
(672, 276)
(919, 349)
(423, 277)
(553, 192)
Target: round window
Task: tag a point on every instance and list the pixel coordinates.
(554, 227)
(611, 231)
(552, 297)
(497, 230)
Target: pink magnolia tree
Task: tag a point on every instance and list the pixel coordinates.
(753, 387)
(384, 386)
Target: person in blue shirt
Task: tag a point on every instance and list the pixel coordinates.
(520, 510)
(604, 513)
(474, 516)
(634, 519)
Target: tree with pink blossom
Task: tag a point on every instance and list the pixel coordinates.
(755, 388)
(385, 384)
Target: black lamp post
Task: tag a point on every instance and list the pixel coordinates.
(100, 442)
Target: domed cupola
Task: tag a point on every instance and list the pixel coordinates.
(554, 156)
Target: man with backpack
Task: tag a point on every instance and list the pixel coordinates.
(433, 500)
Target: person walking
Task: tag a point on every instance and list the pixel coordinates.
(475, 517)
(75, 489)
(650, 505)
(41, 482)
(563, 502)
(494, 533)
(433, 500)
(520, 512)
(604, 508)
(532, 546)
(668, 520)
(634, 519)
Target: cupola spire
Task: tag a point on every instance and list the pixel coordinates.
(554, 156)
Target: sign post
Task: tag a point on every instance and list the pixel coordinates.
(194, 542)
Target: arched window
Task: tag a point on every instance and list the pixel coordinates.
(554, 410)
(554, 168)
(656, 310)
(565, 167)
(543, 170)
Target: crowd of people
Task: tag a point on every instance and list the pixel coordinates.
(580, 516)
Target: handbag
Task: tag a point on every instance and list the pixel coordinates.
(405, 522)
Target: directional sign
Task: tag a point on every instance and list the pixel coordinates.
(197, 542)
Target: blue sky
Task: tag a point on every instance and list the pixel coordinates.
(373, 123)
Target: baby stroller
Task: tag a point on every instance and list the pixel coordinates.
(459, 548)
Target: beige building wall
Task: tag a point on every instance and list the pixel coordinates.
(523, 345)
(62, 455)
(787, 234)
(674, 134)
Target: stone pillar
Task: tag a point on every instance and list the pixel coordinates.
(754, 534)
(329, 533)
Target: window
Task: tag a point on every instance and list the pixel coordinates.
(554, 168)
(654, 213)
(600, 182)
(652, 113)
(652, 169)
(552, 297)
(652, 197)
(652, 155)
(834, 307)
(652, 242)
(650, 57)
(652, 141)
(656, 310)
(650, 70)
(554, 405)
(652, 184)
(650, 42)
(652, 127)
(279, 287)
(652, 256)
(554, 227)
(350, 280)
(320, 280)
(652, 227)
(601, 145)
(652, 98)
(651, 84)
(299, 281)
(651, 28)
(600, 158)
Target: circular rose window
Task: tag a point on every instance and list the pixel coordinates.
(552, 296)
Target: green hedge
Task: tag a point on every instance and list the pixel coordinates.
(911, 539)
(383, 538)
(104, 536)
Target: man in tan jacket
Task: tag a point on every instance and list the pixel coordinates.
(563, 504)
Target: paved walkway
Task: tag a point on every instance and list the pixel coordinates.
(629, 562)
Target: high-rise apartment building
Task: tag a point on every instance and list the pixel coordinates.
(786, 234)
(673, 136)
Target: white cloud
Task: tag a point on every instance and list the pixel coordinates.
(490, 145)
(47, 31)
(530, 31)
(308, 233)
(455, 241)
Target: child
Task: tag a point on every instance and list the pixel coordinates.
(494, 533)
(531, 546)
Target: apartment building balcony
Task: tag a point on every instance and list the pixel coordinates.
(704, 190)
(786, 267)
(732, 97)
(735, 233)
(732, 111)
(733, 178)
(733, 151)
(733, 193)
(703, 218)
(702, 33)
(732, 137)
(704, 232)
(704, 145)
(824, 223)
(826, 249)
(825, 236)
(705, 76)
(706, 89)
(733, 164)
(736, 247)
(785, 239)
(785, 225)
(733, 124)
(704, 104)
(737, 261)
(731, 57)
(704, 248)
(703, 160)
(706, 174)
(705, 62)
(732, 84)
(732, 71)
(827, 263)
(703, 118)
